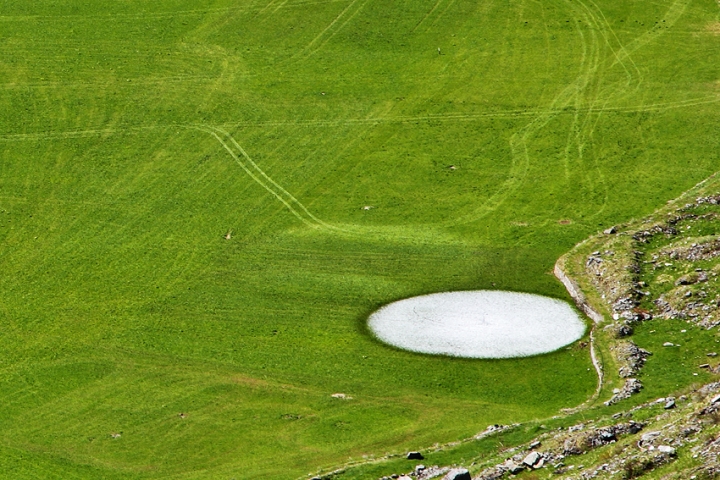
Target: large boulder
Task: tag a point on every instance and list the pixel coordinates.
(458, 474)
(532, 459)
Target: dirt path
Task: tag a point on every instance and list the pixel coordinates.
(577, 295)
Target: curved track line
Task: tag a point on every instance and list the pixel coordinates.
(437, 4)
(308, 50)
(262, 179)
(441, 14)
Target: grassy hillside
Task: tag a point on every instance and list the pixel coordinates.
(123, 305)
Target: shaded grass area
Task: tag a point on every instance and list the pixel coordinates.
(122, 306)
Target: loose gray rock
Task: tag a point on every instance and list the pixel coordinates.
(513, 467)
(531, 459)
(666, 449)
(458, 474)
(669, 404)
(631, 387)
(649, 436)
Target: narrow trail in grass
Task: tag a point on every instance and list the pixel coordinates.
(261, 178)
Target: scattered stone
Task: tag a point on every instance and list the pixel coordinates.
(631, 357)
(631, 387)
(668, 344)
(704, 365)
(583, 442)
(689, 279)
(531, 459)
(458, 474)
(429, 473)
(534, 445)
(624, 331)
(610, 231)
(341, 396)
(513, 467)
(649, 436)
(712, 354)
(715, 399)
(669, 404)
(666, 449)
(415, 456)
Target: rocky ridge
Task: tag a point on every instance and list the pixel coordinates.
(615, 447)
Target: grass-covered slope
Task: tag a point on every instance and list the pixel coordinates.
(123, 305)
(655, 279)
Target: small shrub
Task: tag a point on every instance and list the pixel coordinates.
(714, 417)
(634, 468)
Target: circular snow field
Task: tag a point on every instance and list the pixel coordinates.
(478, 324)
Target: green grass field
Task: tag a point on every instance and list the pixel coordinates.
(135, 135)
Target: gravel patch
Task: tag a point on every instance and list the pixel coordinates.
(478, 324)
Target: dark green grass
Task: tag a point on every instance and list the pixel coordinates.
(122, 306)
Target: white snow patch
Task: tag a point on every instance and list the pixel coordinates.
(478, 324)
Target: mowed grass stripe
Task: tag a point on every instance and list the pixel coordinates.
(131, 307)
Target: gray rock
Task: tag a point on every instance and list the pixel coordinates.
(458, 474)
(513, 467)
(715, 399)
(668, 344)
(610, 231)
(531, 459)
(666, 449)
(669, 404)
(649, 436)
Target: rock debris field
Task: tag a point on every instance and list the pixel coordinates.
(478, 324)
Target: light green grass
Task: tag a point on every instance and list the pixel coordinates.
(122, 305)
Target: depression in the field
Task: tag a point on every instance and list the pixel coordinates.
(478, 324)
